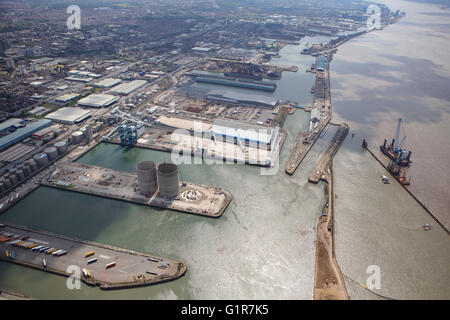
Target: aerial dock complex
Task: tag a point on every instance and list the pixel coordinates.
(209, 98)
(99, 265)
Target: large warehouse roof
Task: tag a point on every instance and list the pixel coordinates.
(69, 115)
(22, 133)
(107, 83)
(321, 63)
(6, 125)
(127, 88)
(98, 100)
(246, 99)
(244, 131)
(66, 97)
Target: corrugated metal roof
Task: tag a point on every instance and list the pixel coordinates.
(126, 88)
(321, 62)
(22, 133)
(9, 123)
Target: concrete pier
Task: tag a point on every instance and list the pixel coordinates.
(120, 185)
(329, 282)
(305, 140)
(131, 269)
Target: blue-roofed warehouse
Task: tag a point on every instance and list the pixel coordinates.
(10, 124)
(321, 63)
(23, 133)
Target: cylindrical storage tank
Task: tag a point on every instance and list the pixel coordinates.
(26, 170)
(61, 146)
(2, 187)
(52, 153)
(33, 165)
(20, 175)
(41, 159)
(77, 137)
(7, 183)
(146, 172)
(13, 178)
(88, 132)
(22, 167)
(168, 182)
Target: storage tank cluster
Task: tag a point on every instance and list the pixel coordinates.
(39, 160)
(87, 132)
(163, 177)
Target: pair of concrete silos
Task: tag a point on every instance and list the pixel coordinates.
(164, 176)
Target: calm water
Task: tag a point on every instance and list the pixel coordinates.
(403, 71)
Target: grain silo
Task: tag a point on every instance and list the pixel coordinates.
(52, 153)
(61, 146)
(168, 182)
(77, 137)
(41, 159)
(146, 172)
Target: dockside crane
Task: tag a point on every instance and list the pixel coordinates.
(128, 134)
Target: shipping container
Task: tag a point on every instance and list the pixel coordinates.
(56, 252)
(63, 252)
(89, 254)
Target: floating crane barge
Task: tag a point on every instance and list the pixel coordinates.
(400, 159)
(394, 151)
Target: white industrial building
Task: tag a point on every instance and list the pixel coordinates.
(127, 88)
(244, 132)
(98, 100)
(69, 115)
(79, 79)
(201, 49)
